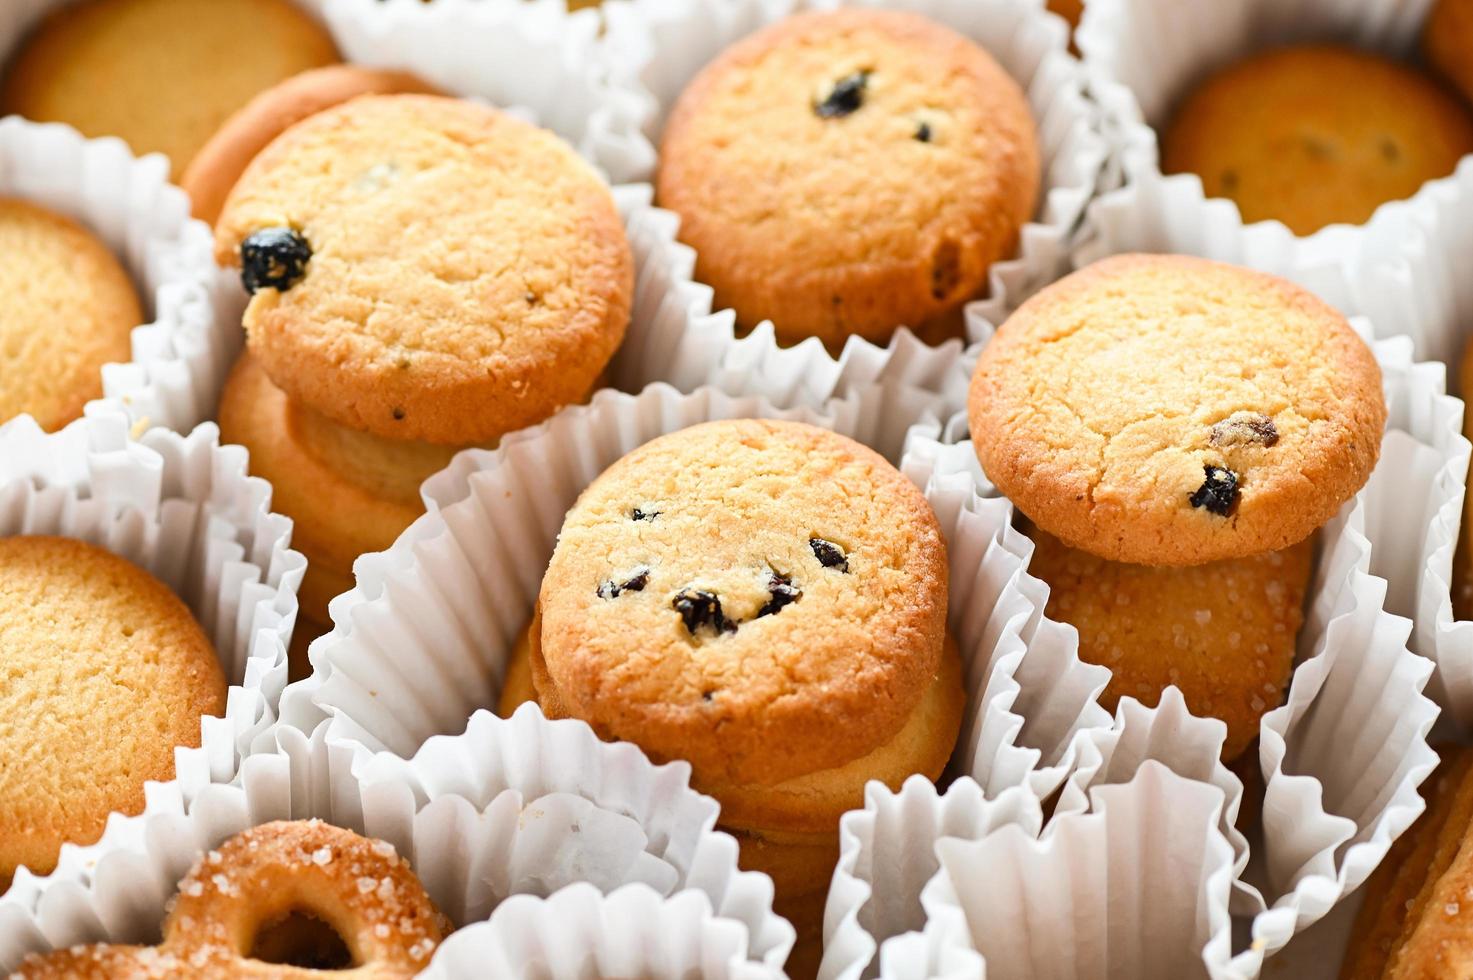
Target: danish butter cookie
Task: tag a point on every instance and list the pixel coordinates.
(1169, 410)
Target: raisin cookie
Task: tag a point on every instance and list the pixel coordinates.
(1315, 135)
(347, 492)
(103, 672)
(1224, 633)
(285, 899)
(69, 309)
(161, 74)
(766, 600)
(848, 172)
(1447, 40)
(1169, 410)
(220, 162)
(1416, 920)
(427, 268)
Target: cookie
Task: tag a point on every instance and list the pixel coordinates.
(1224, 633)
(1169, 410)
(220, 162)
(848, 172)
(1416, 920)
(281, 899)
(1447, 38)
(427, 268)
(347, 492)
(103, 672)
(69, 309)
(1315, 135)
(161, 74)
(765, 599)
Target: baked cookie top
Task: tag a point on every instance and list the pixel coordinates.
(69, 308)
(428, 268)
(161, 74)
(1169, 410)
(765, 599)
(849, 172)
(103, 672)
(1316, 134)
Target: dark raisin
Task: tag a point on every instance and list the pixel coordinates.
(1245, 429)
(398, 414)
(923, 132)
(829, 555)
(639, 515)
(698, 608)
(638, 579)
(273, 258)
(783, 591)
(708, 696)
(1219, 492)
(845, 97)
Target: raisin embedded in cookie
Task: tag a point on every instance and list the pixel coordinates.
(1168, 410)
(1317, 134)
(848, 172)
(427, 268)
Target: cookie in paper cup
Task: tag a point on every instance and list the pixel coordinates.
(183, 509)
(1147, 58)
(667, 45)
(480, 817)
(1338, 790)
(176, 359)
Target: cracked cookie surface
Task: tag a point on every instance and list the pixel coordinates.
(468, 273)
(1168, 410)
(846, 172)
(741, 650)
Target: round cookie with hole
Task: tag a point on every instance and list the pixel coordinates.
(1316, 135)
(848, 172)
(1170, 410)
(427, 268)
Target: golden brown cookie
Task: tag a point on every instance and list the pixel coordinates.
(69, 309)
(161, 74)
(849, 172)
(1416, 920)
(765, 599)
(280, 900)
(1462, 584)
(428, 268)
(1224, 633)
(1168, 410)
(1447, 40)
(1315, 135)
(220, 162)
(103, 672)
(346, 492)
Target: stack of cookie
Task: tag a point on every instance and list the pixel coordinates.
(766, 600)
(425, 274)
(1176, 430)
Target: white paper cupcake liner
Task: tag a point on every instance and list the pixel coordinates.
(1143, 56)
(481, 817)
(581, 934)
(1416, 279)
(183, 508)
(664, 43)
(1135, 887)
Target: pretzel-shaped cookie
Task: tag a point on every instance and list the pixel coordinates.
(256, 880)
